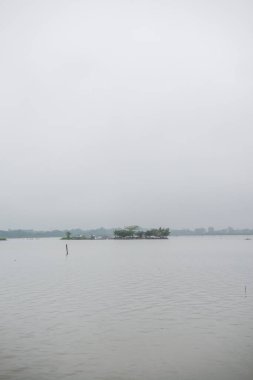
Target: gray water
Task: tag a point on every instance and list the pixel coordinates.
(127, 310)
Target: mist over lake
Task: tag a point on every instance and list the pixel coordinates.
(127, 310)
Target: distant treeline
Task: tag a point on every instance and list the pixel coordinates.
(110, 232)
(29, 234)
(212, 232)
(98, 232)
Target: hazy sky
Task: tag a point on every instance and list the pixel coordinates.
(126, 112)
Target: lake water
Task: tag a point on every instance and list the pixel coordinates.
(127, 310)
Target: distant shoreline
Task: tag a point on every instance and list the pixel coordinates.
(107, 233)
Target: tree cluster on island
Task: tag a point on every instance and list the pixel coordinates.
(133, 232)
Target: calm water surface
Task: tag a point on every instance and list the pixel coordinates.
(127, 310)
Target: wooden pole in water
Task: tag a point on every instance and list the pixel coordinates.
(67, 251)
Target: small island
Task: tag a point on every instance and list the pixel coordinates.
(2, 239)
(127, 233)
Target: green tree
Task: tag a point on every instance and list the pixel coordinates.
(124, 233)
(140, 234)
(68, 235)
(132, 230)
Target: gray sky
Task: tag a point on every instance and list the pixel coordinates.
(126, 112)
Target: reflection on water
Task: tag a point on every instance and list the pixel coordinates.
(127, 310)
